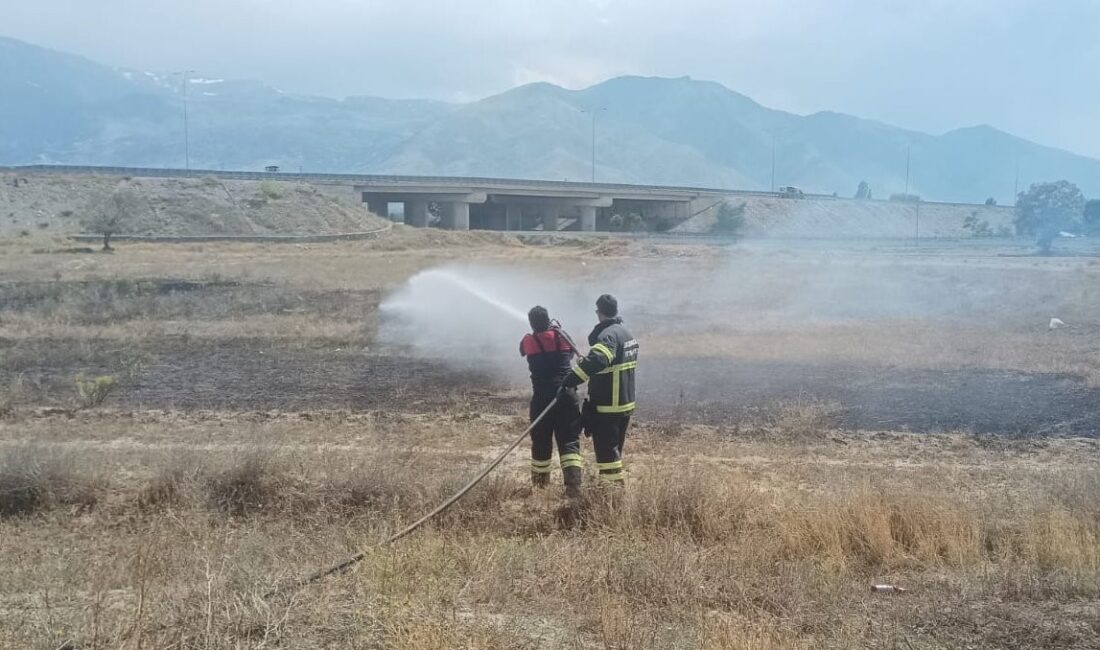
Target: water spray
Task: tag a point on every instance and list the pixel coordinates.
(455, 281)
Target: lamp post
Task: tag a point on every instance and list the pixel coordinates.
(593, 112)
(908, 149)
(773, 163)
(186, 75)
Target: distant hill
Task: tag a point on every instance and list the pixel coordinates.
(65, 109)
(60, 108)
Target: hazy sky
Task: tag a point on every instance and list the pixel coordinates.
(1028, 67)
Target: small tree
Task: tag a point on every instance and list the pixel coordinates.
(116, 213)
(634, 223)
(1047, 208)
(863, 191)
(977, 227)
(1092, 215)
(991, 201)
(730, 218)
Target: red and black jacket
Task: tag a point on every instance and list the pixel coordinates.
(548, 356)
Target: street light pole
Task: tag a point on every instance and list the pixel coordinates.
(1016, 183)
(186, 74)
(773, 163)
(593, 112)
(908, 149)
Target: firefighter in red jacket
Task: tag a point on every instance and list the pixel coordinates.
(609, 370)
(548, 355)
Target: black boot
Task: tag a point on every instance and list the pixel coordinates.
(573, 477)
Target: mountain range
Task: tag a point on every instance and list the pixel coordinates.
(61, 108)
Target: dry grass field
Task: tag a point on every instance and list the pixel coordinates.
(812, 423)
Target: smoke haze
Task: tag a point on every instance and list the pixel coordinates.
(438, 314)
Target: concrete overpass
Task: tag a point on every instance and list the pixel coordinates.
(462, 203)
(507, 204)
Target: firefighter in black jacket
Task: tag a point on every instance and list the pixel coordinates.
(548, 355)
(609, 371)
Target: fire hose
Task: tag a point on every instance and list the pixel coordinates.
(354, 559)
(555, 325)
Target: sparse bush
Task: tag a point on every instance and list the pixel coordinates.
(629, 222)
(730, 219)
(91, 392)
(978, 228)
(169, 487)
(248, 487)
(66, 213)
(34, 479)
(991, 201)
(269, 191)
(42, 225)
(376, 491)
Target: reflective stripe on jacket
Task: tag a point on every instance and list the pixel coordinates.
(609, 368)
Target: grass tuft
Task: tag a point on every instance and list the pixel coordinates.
(34, 480)
(249, 486)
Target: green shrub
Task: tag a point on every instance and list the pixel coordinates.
(730, 219)
(269, 191)
(91, 392)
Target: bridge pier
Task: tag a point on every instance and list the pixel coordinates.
(456, 215)
(551, 218)
(416, 213)
(588, 218)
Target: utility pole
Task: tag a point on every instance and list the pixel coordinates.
(916, 227)
(1016, 183)
(593, 112)
(186, 74)
(773, 163)
(908, 149)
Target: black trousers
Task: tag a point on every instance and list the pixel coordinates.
(608, 437)
(562, 424)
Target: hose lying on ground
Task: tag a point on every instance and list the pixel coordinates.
(341, 566)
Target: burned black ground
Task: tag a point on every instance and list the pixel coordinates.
(249, 374)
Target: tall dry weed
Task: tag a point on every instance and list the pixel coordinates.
(35, 479)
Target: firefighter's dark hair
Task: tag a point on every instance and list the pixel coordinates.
(539, 318)
(607, 305)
